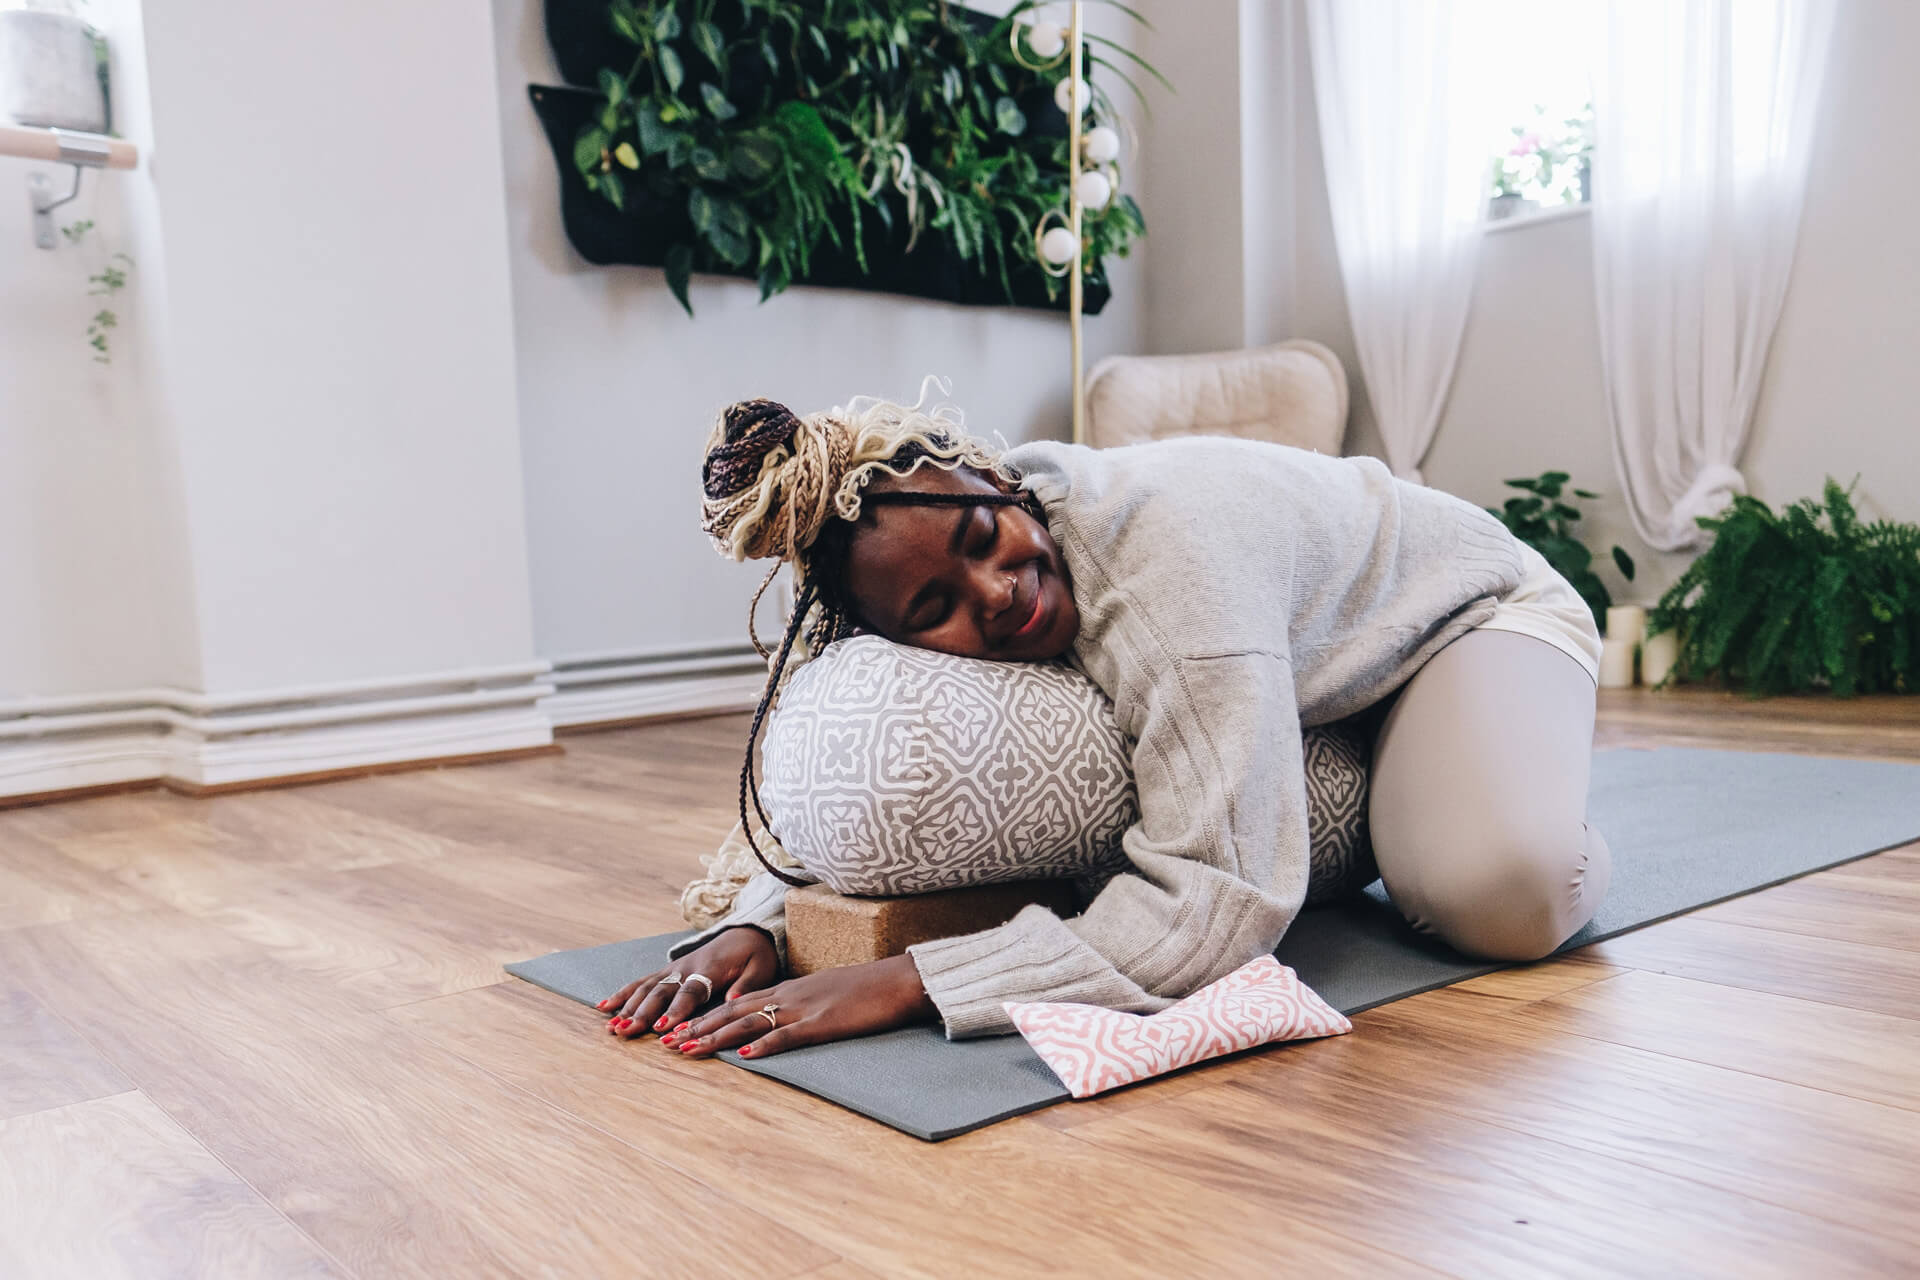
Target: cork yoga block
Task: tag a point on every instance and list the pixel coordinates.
(827, 930)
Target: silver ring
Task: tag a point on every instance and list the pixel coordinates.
(671, 980)
(702, 979)
(768, 1013)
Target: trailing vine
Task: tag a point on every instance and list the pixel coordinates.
(107, 283)
(780, 126)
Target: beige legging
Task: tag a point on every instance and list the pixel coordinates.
(1479, 797)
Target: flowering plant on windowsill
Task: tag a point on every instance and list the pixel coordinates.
(1544, 165)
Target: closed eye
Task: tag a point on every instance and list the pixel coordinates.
(986, 544)
(930, 611)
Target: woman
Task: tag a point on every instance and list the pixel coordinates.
(1223, 593)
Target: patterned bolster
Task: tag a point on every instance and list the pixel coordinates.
(891, 770)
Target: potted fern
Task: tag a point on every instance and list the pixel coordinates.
(1809, 598)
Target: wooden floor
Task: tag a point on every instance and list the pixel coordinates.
(267, 1035)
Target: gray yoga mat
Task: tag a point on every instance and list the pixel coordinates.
(1686, 827)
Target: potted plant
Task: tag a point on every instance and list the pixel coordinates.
(1543, 518)
(1808, 598)
(1545, 164)
(52, 67)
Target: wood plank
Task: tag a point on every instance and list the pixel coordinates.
(1884, 727)
(1322, 1135)
(113, 1187)
(44, 1063)
(1873, 1056)
(1539, 981)
(395, 1155)
(1800, 1148)
(1855, 974)
(1876, 910)
(985, 1202)
(38, 885)
(391, 935)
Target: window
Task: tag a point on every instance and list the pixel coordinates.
(1540, 96)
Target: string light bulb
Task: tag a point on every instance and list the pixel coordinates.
(1101, 144)
(1046, 39)
(1095, 189)
(1057, 246)
(1070, 89)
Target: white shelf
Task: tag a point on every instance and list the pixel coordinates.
(58, 146)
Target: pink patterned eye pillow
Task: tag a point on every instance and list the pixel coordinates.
(1093, 1050)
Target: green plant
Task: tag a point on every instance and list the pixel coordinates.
(1544, 520)
(1808, 598)
(799, 122)
(1547, 159)
(107, 282)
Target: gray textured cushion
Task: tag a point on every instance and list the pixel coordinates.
(892, 770)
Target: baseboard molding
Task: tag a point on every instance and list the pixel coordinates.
(646, 685)
(203, 743)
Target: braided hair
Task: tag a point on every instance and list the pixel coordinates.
(791, 489)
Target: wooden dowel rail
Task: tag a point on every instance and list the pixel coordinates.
(67, 146)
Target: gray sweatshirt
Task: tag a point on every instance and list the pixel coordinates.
(1230, 592)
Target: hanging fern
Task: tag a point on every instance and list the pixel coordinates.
(1810, 598)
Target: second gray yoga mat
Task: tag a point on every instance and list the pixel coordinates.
(1686, 827)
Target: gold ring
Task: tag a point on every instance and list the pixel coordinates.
(768, 1013)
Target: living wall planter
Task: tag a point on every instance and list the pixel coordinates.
(655, 217)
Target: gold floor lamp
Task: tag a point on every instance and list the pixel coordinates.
(1060, 238)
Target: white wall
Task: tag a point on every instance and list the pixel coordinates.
(91, 537)
(618, 389)
(340, 348)
(284, 532)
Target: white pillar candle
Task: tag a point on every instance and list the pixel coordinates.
(1616, 662)
(1658, 654)
(1628, 621)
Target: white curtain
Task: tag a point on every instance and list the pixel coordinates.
(1704, 113)
(1405, 134)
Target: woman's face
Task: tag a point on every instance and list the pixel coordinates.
(981, 582)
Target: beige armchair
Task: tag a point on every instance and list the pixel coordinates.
(1290, 393)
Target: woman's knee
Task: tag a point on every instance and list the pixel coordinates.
(1516, 894)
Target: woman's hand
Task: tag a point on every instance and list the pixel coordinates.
(732, 961)
(833, 1004)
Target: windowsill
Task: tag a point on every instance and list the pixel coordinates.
(1535, 217)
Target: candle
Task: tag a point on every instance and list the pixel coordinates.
(1658, 654)
(1616, 662)
(1628, 621)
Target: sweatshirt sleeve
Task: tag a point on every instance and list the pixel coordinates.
(762, 905)
(1219, 862)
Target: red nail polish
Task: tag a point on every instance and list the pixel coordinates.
(661, 1025)
(668, 1040)
(746, 1051)
(683, 1026)
(689, 1046)
(605, 1003)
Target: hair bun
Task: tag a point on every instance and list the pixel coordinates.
(748, 431)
